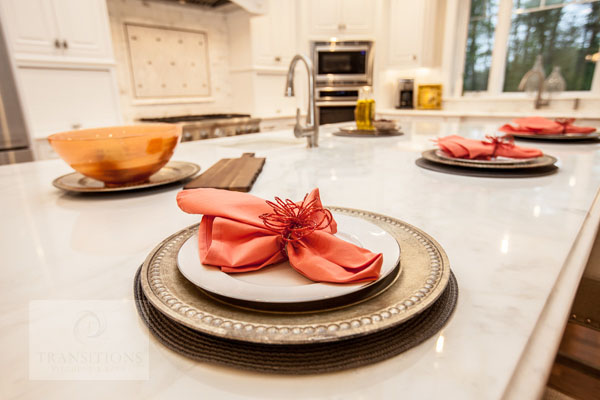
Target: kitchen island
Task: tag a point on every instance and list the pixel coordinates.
(518, 248)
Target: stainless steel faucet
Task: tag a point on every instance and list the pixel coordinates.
(533, 80)
(539, 100)
(311, 129)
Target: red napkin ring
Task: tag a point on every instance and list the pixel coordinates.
(294, 221)
(500, 141)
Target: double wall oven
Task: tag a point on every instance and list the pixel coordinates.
(341, 70)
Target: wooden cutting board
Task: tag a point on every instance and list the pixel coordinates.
(236, 174)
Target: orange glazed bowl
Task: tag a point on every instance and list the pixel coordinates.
(118, 155)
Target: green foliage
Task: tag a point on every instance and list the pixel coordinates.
(563, 36)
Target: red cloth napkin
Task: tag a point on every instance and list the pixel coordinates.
(460, 147)
(543, 126)
(234, 238)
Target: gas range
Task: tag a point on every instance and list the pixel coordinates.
(206, 126)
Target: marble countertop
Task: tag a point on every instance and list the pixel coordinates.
(517, 247)
(466, 112)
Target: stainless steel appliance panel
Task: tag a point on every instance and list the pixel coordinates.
(343, 62)
(13, 131)
(337, 93)
(334, 112)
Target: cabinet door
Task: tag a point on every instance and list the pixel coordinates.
(58, 100)
(269, 99)
(284, 14)
(357, 16)
(274, 34)
(31, 26)
(325, 17)
(406, 27)
(83, 27)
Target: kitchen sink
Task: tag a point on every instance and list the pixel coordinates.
(257, 144)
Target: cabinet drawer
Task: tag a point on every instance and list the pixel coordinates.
(64, 99)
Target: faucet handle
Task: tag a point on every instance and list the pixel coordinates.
(298, 129)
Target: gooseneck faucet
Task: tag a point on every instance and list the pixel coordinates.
(311, 129)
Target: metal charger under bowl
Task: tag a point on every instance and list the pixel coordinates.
(425, 274)
(174, 171)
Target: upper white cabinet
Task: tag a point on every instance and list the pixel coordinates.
(273, 35)
(30, 25)
(341, 18)
(57, 28)
(413, 29)
(261, 48)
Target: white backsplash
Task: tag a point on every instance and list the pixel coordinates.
(169, 21)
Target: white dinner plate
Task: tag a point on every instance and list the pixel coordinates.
(496, 161)
(280, 283)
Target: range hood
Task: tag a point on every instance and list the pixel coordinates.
(251, 6)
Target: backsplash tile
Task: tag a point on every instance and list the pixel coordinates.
(170, 22)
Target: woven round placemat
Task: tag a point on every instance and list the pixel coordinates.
(583, 139)
(297, 359)
(486, 173)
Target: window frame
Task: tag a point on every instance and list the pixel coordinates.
(499, 52)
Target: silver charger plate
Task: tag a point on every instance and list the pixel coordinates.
(496, 161)
(425, 275)
(174, 171)
(565, 136)
(539, 162)
(281, 287)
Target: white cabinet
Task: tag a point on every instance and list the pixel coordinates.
(57, 28)
(62, 53)
(325, 17)
(261, 48)
(83, 27)
(413, 28)
(30, 25)
(58, 100)
(261, 94)
(274, 35)
(342, 18)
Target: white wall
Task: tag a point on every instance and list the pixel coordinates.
(171, 15)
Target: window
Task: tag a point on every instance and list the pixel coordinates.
(565, 33)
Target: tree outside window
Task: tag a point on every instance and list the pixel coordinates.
(565, 34)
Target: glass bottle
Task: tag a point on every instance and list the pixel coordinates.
(364, 113)
(555, 83)
(533, 79)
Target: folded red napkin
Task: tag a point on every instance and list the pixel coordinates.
(460, 147)
(543, 126)
(240, 232)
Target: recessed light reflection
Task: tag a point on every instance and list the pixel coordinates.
(536, 211)
(504, 245)
(333, 175)
(572, 181)
(439, 344)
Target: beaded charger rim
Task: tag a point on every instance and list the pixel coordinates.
(425, 274)
(540, 162)
(302, 359)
